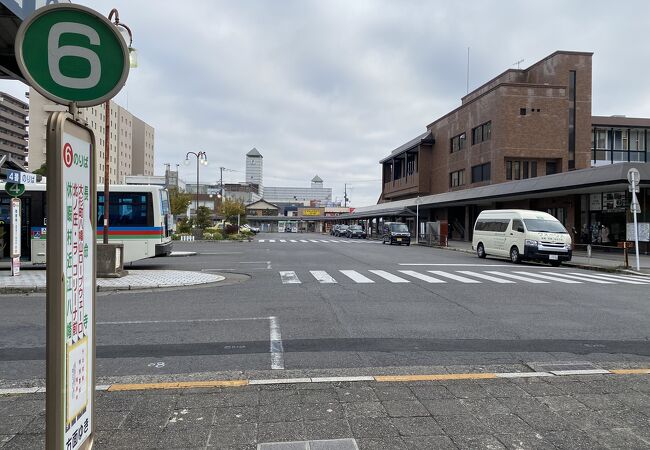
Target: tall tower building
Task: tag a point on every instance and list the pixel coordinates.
(254, 169)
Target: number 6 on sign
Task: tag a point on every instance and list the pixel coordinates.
(70, 53)
(55, 53)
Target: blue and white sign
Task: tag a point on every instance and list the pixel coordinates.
(16, 176)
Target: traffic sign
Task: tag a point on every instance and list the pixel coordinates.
(71, 53)
(15, 189)
(635, 207)
(16, 176)
(633, 176)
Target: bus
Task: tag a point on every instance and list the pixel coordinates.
(140, 218)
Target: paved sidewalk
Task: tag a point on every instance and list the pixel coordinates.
(34, 280)
(579, 259)
(568, 412)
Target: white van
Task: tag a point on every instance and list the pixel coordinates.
(521, 234)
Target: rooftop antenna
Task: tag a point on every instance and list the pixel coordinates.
(518, 63)
(467, 91)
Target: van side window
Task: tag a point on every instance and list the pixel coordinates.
(517, 225)
(497, 225)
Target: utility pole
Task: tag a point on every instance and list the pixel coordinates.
(221, 169)
(345, 195)
(167, 170)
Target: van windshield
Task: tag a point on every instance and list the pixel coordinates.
(399, 228)
(544, 226)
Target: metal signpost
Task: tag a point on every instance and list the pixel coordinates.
(73, 56)
(634, 178)
(15, 237)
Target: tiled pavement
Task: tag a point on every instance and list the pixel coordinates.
(136, 279)
(568, 412)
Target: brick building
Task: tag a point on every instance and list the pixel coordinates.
(525, 139)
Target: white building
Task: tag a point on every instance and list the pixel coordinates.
(131, 139)
(255, 169)
(316, 193)
(13, 128)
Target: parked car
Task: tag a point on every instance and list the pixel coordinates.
(340, 231)
(396, 233)
(521, 235)
(355, 231)
(253, 230)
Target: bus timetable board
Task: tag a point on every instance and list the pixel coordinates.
(71, 200)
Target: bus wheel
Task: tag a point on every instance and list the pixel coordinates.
(480, 250)
(514, 255)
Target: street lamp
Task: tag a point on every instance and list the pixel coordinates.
(201, 159)
(125, 31)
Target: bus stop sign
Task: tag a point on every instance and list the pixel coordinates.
(70, 53)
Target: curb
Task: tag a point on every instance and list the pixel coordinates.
(568, 264)
(43, 289)
(123, 387)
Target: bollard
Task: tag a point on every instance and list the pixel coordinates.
(588, 250)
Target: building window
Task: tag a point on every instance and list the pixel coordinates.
(457, 178)
(533, 169)
(508, 170)
(481, 173)
(522, 111)
(458, 142)
(482, 133)
(551, 167)
(520, 170)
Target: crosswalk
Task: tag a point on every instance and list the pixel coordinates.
(373, 276)
(317, 241)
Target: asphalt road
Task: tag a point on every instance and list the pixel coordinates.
(320, 305)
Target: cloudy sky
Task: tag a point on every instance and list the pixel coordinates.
(329, 87)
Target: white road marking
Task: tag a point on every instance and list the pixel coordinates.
(486, 277)
(454, 277)
(587, 280)
(283, 240)
(271, 240)
(303, 240)
(551, 278)
(523, 374)
(421, 276)
(292, 240)
(277, 349)
(262, 240)
(518, 277)
(356, 276)
(331, 240)
(313, 240)
(323, 240)
(633, 277)
(389, 276)
(609, 278)
(289, 277)
(322, 276)
(580, 372)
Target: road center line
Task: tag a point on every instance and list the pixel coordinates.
(140, 322)
(277, 349)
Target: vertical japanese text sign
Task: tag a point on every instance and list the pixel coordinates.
(72, 55)
(15, 236)
(71, 200)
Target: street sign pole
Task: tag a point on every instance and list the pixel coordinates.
(15, 237)
(73, 56)
(634, 178)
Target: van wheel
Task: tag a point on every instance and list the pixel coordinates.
(480, 250)
(514, 255)
(556, 263)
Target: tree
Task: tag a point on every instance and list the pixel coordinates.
(203, 217)
(41, 170)
(231, 209)
(179, 201)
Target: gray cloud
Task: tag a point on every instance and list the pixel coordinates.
(330, 87)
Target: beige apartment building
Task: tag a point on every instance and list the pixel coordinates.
(13, 128)
(131, 139)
